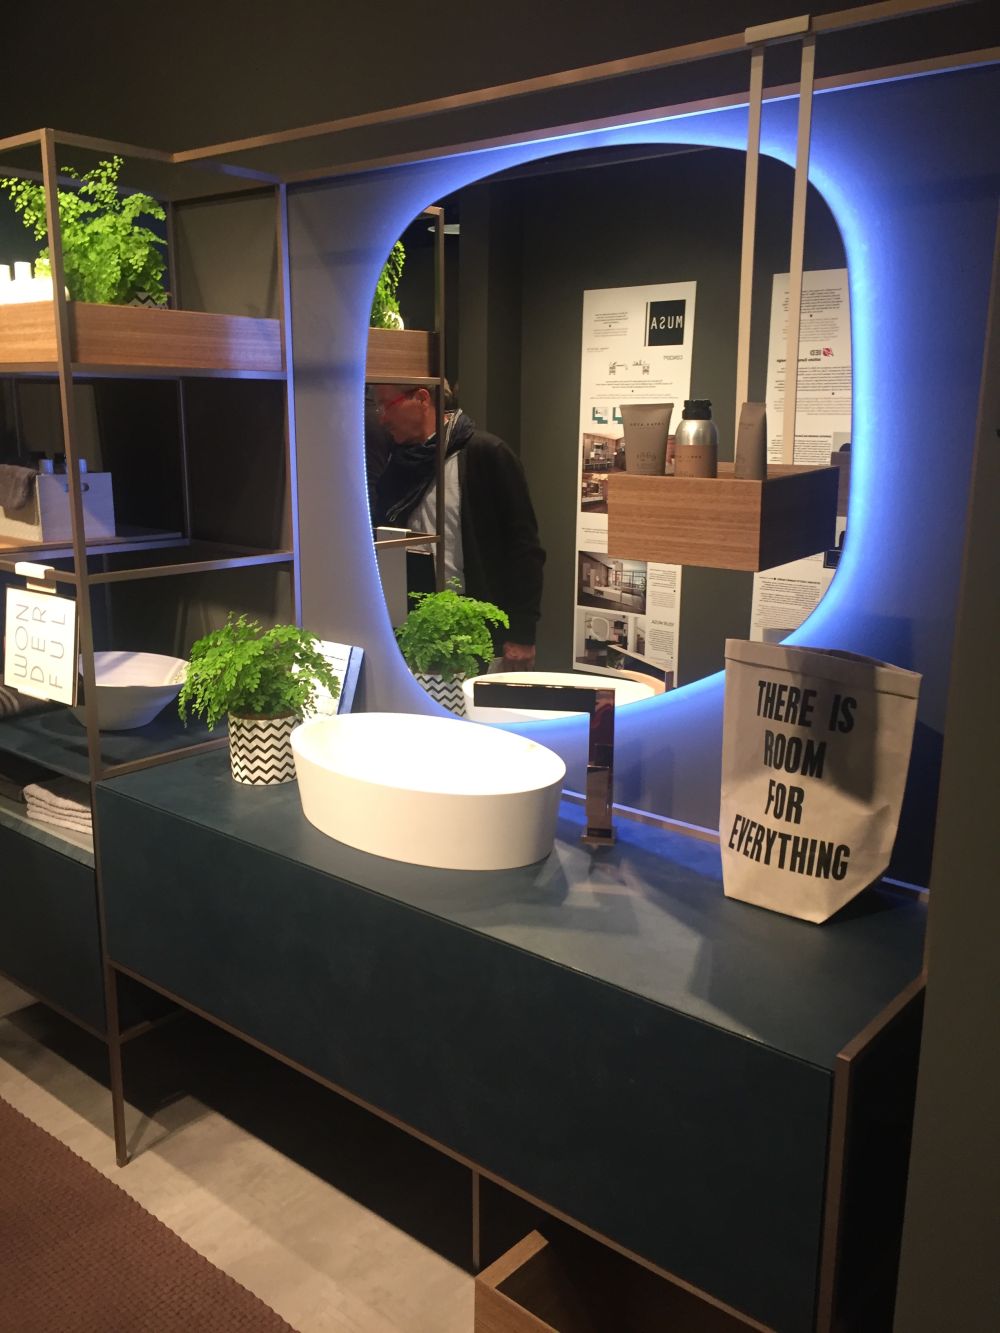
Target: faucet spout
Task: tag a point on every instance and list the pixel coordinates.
(599, 705)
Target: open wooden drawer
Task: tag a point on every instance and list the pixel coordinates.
(580, 1286)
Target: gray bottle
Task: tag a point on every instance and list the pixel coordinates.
(696, 441)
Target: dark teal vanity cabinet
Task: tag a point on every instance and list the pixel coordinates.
(696, 1080)
(49, 941)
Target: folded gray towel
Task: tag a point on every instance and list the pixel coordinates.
(64, 794)
(61, 821)
(16, 485)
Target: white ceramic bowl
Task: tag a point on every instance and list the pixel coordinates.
(626, 692)
(132, 688)
(432, 791)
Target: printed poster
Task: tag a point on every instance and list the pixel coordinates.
(636, 348)
(823, 405)
(784, 596)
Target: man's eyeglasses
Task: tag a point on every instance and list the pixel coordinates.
(383, 407)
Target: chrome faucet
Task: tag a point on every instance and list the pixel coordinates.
(599, 704)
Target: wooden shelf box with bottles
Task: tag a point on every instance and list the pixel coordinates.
(133, 339)
(723, 522)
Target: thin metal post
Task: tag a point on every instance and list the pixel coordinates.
(115, 1066)
(291, 465)
(477, 1257)
(84, 618)
(173, 274)
(439, 554)
(67, 400)
(182, 440)
(749, 228)
(15, 397)
(796, 260)
(112, 1021)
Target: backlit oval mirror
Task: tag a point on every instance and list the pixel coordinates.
(587, 280)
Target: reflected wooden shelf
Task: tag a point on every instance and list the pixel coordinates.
(144, 554)
(398, 355)
(723, 522)
(108, 340)
(129, 539)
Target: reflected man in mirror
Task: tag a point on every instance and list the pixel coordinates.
(490, 531)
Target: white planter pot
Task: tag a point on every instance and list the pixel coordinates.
(260, 752)
(448, 693)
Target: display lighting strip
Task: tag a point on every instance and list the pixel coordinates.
(848, 168)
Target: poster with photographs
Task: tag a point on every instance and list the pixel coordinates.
(636, 348)
(626, 616)
(784, 596)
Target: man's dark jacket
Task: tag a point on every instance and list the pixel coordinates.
(500, 547)
(503, 558)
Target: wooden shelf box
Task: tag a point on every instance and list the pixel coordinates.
(132, 338)
(403, 353)
(723, 522)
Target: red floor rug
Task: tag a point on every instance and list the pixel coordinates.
(78, 1255)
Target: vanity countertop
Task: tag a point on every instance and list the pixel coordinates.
(647, 915)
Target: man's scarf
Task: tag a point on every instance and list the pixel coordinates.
(409, 474)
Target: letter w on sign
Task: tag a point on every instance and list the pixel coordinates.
(41, 657)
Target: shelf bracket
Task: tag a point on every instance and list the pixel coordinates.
(784, 30)
(41, 578)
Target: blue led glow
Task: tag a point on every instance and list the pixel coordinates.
(910, 179)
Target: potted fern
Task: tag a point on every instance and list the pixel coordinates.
(445, 638)
(265, 681)
(109, 257)
(385, 303)
(392, 348)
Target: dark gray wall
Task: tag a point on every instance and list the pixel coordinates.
(531, 246)
(226, 257)
(189, 74)
(949, 1276)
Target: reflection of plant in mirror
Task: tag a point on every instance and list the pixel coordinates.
(385, 307)
(447, 634)
(247, 671)
(108, 258)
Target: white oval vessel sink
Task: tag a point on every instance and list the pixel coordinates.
(428, 790)
(626, 692)
(132, 688)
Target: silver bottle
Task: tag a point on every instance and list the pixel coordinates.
(696, 441)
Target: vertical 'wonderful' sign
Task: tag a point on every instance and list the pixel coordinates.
(815, 751)
(40, 656)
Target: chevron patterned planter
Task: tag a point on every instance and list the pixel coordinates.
(260, 752)
(448, 693)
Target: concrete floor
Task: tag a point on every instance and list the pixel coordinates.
(337, 1221)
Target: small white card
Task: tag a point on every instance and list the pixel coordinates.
(40, 656)
(338, 655)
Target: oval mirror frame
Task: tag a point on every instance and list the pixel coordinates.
(889, 599)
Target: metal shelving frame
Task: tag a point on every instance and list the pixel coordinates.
(79, 579)
(216, 556)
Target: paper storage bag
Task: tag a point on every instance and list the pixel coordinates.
(815, 749)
